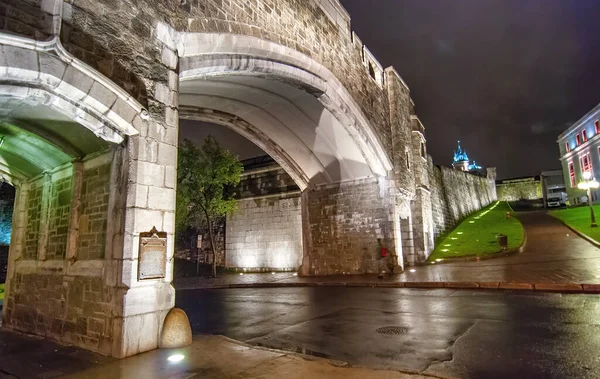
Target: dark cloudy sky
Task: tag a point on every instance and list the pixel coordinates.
(506, 77)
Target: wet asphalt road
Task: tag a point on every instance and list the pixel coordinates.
(447, 333)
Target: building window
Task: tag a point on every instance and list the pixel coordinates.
(578, 139)
(584, 135)
(597, 126)
(423, 150)
(572, 174)
(586, 163)
(407, 160)
(567, 147)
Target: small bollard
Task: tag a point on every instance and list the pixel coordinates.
(507, 214)
(502, 241)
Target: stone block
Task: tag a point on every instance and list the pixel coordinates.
(161, 198)
(176, 330)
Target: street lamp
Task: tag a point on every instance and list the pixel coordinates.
(587, 184)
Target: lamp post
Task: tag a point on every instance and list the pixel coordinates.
(587, 184)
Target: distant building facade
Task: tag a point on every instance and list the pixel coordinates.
(553, 186)
(579, 148)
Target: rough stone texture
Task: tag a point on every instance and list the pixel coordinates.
(34, 211)
(265, 234)
(25, 18)
(456, 194)
(344, 221)
(60, 205)
(517, 189)
(70, 309)
(93, 212)
(177, 331)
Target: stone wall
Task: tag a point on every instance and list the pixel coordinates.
(456, 194)
(94, 212)
(341, 225)
(49, 295)
(72, 309)
(265, 234)
(519, 189)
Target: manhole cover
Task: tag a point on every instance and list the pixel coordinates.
(392, 330)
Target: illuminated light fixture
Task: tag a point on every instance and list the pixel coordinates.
(295, 274)
(447, 245)
(589, 183)
(453, 238)
(412, 270)
(432, 263)
(471, 222)
(444, 250)
(459, 233)
(241, 273)
(273, 273)
(176, 358)
(439, 260)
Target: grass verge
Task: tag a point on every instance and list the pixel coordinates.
(1, 291)
(476, 235)
(579, 219)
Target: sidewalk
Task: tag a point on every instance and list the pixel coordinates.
(209, 357)
(555, 259)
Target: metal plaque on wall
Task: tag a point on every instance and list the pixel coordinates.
(152, 262)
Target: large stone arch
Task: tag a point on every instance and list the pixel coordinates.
(289, 97)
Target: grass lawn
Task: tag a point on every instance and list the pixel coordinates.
(1, 291)
(476, 235)
(578, 218)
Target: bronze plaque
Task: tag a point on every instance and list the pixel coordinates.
(152, 262)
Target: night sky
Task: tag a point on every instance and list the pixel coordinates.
(506, 77)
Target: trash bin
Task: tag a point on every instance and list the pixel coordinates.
(502, 240)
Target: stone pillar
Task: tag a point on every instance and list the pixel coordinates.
(146, 183)
(73, 232)
(43, 231)
(341, 225)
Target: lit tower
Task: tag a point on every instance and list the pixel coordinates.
(461, 159)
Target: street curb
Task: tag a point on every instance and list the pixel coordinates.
(499, 286)
(580, 234)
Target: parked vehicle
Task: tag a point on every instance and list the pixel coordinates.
(554, 202)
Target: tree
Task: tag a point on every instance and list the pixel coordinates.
(204, 175)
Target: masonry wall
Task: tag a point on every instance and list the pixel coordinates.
(265, 234)
(456, 194)
(519, 189)
(341, 225)
(50, 295)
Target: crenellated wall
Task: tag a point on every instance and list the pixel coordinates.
(456, 194)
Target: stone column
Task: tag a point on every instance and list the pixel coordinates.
(146, 183)
(73, 233)
(341, 224)
(43, 231)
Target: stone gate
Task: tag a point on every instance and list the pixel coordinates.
(91, 93)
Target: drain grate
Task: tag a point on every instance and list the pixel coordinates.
(392, 330)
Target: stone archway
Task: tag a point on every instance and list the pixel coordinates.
(70, 140)
(299, 113)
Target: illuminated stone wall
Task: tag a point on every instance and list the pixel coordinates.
(519, 189)
(265, 234)
(456, 194)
